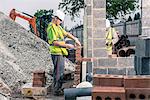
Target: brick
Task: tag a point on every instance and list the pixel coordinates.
(108, 93)
(39, 83)
(138, 93)
(137, 81)
(108, 80)
(88, 59)
(39, 79)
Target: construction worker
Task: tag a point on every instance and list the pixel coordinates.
(58, 48)
(111, 38)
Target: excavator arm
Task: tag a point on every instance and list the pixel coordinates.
(31, 19)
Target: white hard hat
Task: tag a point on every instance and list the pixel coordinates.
(107, 23)
(60, 15)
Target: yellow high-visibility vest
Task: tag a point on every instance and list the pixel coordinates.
(109, 38)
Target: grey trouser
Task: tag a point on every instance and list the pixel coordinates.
(58, 62)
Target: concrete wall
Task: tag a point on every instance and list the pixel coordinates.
(94, 42)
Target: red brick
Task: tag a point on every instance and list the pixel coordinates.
(108, 80)
(39, 83)
(115, 93)
(137, 81)
(138, 93)
(39, 79)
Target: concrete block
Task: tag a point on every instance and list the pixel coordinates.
(100, 53)
(125, 61)
(99, 32)
(117, 71)
(99, 13)
(95, 62)
(99, 23)
(98, 43)
(145, 3)
(99, 3)
(89, 32)
(131, 71)
(88, 10)
(107, 62)
(145, 12)
(145, 22)
(88, 2)
(89, 53)
(100, 70)
(28, 91)
(89, 21)
(90, 46)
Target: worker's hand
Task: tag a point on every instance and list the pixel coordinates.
(77, 42)
(70, 46)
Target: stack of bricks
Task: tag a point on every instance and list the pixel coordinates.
(37, 89)
(79, 60)
(77, 67)
(39, 79)
(108, 87)
(117, 87)
(137, 87)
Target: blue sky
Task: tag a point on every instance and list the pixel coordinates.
(31, 6)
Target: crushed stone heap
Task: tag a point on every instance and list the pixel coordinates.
(21, 52)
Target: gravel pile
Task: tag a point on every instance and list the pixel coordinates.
(21, 52)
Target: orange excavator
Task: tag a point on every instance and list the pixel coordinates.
(31, 19)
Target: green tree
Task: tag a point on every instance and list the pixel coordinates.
(113, 7)
(72, 7)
